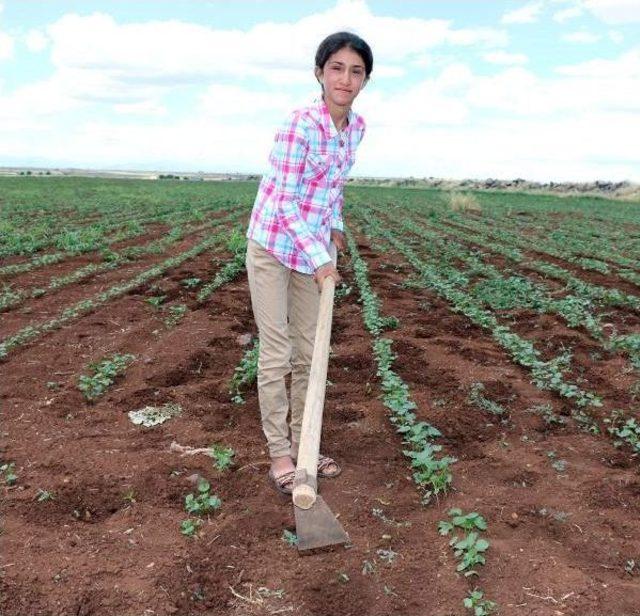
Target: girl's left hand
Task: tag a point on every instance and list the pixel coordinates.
(337, 237)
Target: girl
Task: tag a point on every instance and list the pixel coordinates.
(297, 212)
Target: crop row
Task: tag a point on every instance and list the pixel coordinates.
(85, 306)
(77, 240)
(512, 250)
(550, 248)
(447, 284)
(10, 297)
(431, 472)
(511, 290)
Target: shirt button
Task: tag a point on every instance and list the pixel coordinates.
(341, 143)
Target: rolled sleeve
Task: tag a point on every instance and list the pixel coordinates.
(336, 213)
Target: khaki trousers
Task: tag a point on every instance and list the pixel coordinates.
(285, 306)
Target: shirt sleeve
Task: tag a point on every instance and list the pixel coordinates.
(336, 213)
(288, 158)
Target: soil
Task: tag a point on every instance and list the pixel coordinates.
(560, 540)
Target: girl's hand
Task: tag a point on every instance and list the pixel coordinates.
(325, 271)
(337, 237)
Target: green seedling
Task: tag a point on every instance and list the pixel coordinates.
(176, 312)
(342, 290)
(627, 430)
(156, 301)
(547, 414)
(7, 470)
(291, 539)
(203, 502)
(189, 527)
(44, 495)
(129, 496)
(389, 322)
(222, 456)
(245, 373)
(477, 398)
(478, 604)
(190, 283)
(469, 551)
(469, 521)
(104, 374)
(343, 578)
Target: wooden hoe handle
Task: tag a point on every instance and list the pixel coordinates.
(305, 482)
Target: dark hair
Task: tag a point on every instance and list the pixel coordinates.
(335, 42)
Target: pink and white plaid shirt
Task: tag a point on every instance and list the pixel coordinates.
(300, 198)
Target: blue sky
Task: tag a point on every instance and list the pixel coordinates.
(545, 90)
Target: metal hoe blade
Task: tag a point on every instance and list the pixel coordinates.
(317, 527)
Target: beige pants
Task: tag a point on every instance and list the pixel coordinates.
(285, 306)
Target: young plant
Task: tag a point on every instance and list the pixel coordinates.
(291, 539)
(104, 374)
(478, 604)
(156, 301)
(470, 549)
(245, 373)
(477, 398)
(7, 470)
(626, 430)
(203, 502)
(176, 312)
(222, 456)
(44, 495)
(469, 521)
(189, 527)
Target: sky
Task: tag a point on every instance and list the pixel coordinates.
(545, 90)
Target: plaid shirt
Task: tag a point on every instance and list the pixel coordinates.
(300, 198)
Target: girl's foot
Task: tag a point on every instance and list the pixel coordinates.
(282, 473)
(327, 467)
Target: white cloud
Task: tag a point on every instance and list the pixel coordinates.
(614, 11)
(615, 36)
(502, 57)
(581, 36)
(578, 123)
(163, 52)
(6, 46)
(36, 40)
(624, 70)
(524, 15)
(566, 14)
(143, 108)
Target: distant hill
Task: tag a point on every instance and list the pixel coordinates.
(626, 191)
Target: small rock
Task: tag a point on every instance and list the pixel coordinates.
(194, 479)
(244, 339)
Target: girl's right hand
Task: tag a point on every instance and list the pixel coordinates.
(325, 271)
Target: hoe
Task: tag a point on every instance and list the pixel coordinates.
(316, 525)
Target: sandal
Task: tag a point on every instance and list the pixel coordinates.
(283, 483)
(323, 463)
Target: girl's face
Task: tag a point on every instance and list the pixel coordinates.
(343, 76)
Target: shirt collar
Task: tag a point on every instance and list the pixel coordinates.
(325, 118)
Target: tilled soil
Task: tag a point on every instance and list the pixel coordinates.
(560, 539)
